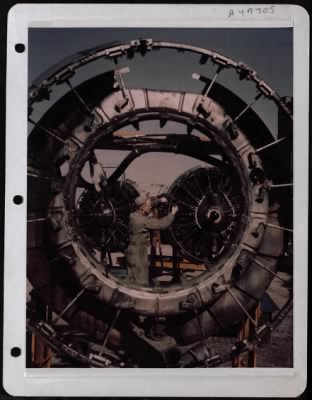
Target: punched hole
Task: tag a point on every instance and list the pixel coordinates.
(16, 352)
(20, 48)
(18, 199)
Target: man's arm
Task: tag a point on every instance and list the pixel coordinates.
(159, 223)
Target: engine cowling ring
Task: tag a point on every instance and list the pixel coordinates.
(90, 319)
(149, 301)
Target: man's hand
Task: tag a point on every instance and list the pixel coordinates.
(163, 199)
(174, 210)
(98, 177)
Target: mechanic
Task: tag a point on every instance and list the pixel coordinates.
(140, 223)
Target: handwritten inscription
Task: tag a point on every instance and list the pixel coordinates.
(244, 12)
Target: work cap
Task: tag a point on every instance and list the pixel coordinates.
(139, 201)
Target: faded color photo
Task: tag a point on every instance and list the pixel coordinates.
(160, 198)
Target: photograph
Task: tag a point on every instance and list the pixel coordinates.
(160, 197)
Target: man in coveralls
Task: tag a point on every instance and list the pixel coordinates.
(140, 224)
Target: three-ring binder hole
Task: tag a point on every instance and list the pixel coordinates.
(18, 199)
(16, 352)
(20, 48)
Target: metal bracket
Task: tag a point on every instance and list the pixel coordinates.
(189, 302)
(217, 289)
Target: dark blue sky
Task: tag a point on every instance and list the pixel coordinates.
(268, 51)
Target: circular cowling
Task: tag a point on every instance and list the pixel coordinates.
(236, 237)
(70, 242)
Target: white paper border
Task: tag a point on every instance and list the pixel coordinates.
(17, 380)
